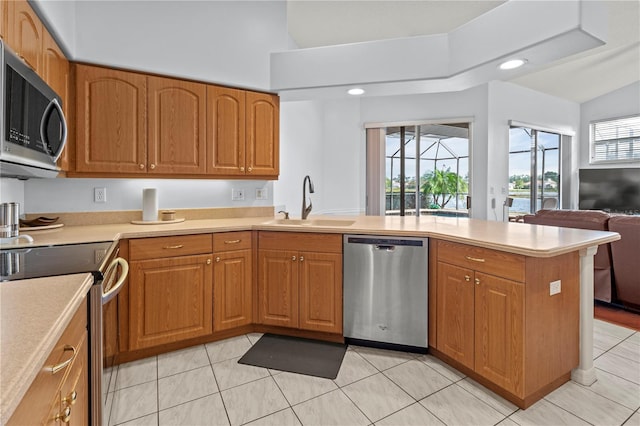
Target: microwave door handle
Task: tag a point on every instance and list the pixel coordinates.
(45, 117)
(113, 291)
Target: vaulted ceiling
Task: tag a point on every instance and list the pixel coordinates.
(580, 77)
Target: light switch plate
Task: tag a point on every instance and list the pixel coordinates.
(261, 193)
(555, 287)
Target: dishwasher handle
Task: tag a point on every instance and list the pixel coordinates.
(388, 248)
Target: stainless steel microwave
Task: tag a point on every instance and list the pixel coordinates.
(32, 124)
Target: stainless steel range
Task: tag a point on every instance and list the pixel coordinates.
(109, 273)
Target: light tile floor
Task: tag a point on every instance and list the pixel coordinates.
(204, 385)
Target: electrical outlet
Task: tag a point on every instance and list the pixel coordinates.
(99, 195)
(555, 287)
(237, 194)
(261, 193)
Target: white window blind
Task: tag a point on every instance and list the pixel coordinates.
(616, 140)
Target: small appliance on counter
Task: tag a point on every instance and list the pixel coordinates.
(10, 224)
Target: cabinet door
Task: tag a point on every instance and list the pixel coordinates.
(111, 121)
(55, 71)
(499, 331)
(25, 33)
(4, 6)
(263, 133)
(455, 306)
(177, 138)
(232, 289)
(321, 292)
(170, 299)
(225, 131)
(278, 287)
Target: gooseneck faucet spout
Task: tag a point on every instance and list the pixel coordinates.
(306, 209)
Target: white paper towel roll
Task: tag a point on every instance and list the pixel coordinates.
(149, 204)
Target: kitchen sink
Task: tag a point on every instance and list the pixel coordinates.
(312, 222)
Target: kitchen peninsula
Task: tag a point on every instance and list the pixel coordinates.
(541, 252)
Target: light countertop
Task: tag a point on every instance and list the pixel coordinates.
(519, 238)
(33, 315)
(35, 312)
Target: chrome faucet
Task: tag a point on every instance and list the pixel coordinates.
(306, 210)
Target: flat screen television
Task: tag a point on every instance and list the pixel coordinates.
(613, 190)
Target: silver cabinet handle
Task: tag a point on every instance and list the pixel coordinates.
(301, 258)
(293, 258)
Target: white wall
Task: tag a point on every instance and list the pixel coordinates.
(509, 101)
(620, 103)
(76, 195)
(226, 42)
(301, 152)
(60, 19)
(344, 158)
(12, 191)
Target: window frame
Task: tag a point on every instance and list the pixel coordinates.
(592, 142)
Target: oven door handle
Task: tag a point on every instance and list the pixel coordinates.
(113, 291)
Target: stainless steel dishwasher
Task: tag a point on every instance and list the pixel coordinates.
(385, 290)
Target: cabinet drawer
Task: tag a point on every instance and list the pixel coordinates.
(494, 262)
(227, 241)
(301, 241)
(36, 403)
(160, 247)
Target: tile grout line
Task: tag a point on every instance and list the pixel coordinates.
(226, 412)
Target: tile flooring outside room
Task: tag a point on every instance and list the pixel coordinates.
(205, 385)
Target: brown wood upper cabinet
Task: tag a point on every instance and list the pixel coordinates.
(25, 33)
(111, 125)
(4, 10)
(193, 129)
(55, 71)
(243, 131)
(177, 115)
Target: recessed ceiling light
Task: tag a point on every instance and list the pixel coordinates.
(355, 91)
(512, 64)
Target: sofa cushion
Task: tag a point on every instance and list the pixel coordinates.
(625, 254)
(584, 219)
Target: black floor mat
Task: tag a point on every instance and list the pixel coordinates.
(296, 355)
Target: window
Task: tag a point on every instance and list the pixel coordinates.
(534, 170)
(418, 169)
(615, 140)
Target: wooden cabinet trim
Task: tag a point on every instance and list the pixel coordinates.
(166, 247)
(228, 241)
(301, 241)
(498, 263)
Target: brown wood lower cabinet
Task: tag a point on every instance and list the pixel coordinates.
(232, 280)
(300, 281)
(170, 300)
(504, 328)
(59, 394)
